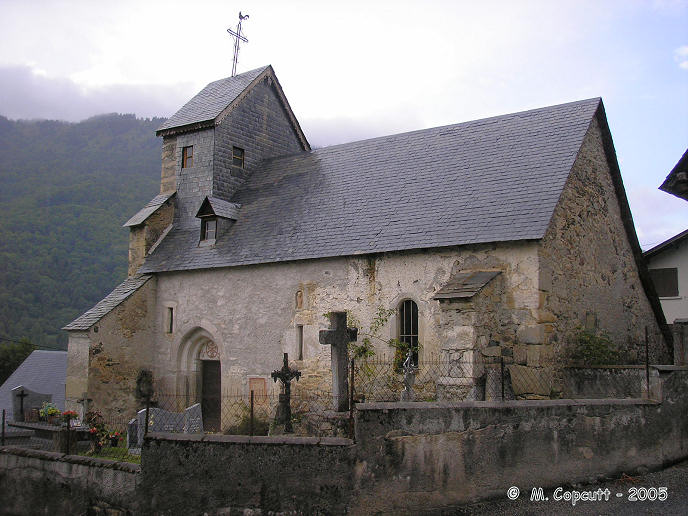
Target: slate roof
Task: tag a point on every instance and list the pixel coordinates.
(465, 284)
(224, 209)
(108, 303)
(491, 180)
(676, 183)
(148, 209)
(211, 100)
(42, 371)
(670, 243)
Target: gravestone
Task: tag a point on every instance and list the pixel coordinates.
(133, 433)
(339, 336)
(160, 420)
(24, 399)
(193, 419)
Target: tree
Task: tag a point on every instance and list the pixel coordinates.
(12, 354)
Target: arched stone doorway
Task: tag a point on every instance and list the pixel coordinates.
(199, 376)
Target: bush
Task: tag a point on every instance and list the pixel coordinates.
(594, 349)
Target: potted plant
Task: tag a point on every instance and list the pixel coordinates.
(49, 412)
(67, 417)
(97, 431)
(114, 438)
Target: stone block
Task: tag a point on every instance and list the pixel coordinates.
(492, 351)
(527, 381)
(521, 354)
(531, 334)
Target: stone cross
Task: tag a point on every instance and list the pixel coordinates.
(285, 375)
(410, 371)
(21, 395)
(339, 336)
(84, 401)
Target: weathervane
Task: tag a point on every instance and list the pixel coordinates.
(237, 39)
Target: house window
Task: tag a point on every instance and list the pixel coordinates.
(299, 340)
(187, 157)
(208, 228)
(169, 322)
(238, 157)
(408, 327)
(666, 281)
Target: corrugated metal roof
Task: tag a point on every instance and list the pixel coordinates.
(107, 304)
(206, 105)
(491, 180)
(42, 371)
(465, 284)
(148, 209)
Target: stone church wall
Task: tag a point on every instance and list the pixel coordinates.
(251, 312)
(144, 236)
(105, 360)
(588, 275)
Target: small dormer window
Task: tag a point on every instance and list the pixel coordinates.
(237, 157)
(187, 156)
(208, 228)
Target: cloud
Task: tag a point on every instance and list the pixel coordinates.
(681, 56)
(658, 215)
(29, 93)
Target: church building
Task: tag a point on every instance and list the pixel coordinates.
(496, 237)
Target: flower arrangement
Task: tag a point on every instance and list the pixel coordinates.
(48, 409)
(68, 415)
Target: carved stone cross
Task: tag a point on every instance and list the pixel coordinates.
(339, 336)
(285, 375)
(21, 395)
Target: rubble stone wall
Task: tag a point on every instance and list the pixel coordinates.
(588, 276)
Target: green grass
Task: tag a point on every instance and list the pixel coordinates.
(118, 454)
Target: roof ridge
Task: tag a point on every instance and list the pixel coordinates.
(465, 123)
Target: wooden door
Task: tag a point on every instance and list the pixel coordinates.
(211, 400)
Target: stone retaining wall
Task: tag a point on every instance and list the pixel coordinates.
(225, 474)
(41, 482)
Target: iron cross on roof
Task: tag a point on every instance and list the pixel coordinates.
(238, 38)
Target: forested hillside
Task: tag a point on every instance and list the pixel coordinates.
(65, 191)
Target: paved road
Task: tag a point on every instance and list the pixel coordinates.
(675, 479)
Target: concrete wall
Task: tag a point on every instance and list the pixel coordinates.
(251, 314)
(675, 256)
(39, 482)
(225, 474)
(105, 360)
(432, 455)
(588, 275)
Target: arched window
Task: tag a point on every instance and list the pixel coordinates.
(408, 326)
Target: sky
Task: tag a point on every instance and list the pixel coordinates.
(353, 70)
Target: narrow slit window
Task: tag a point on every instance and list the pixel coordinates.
(299, 340)
(169, 327)
(187, 157)
(237, 157)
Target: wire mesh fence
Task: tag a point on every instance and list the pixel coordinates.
(491, 379)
